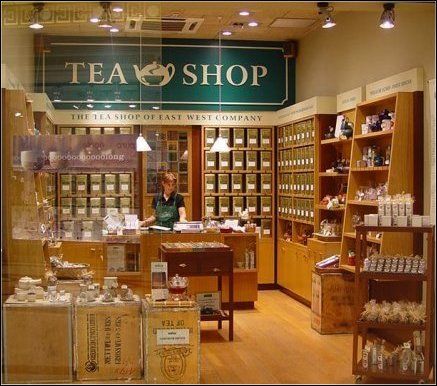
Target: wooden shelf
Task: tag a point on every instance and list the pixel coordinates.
(302, 196)
(370, 239)
(363, 202)
(376, 134)
(348, 268)
(389, 326)
(372, 169)
(244, 270)
(303, 221)
(286, 195)
(96, 196)
(236, 194)
(323, 207)
(246, 148)
(329, 174)
(285, 218)
(125, 273)
(303, 170)
(334, 141)
(288, 171)
(391, 372)
(265, 171)
(392, 276)
(426, 229)
(311, 143)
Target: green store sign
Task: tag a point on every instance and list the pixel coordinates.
(126, 73)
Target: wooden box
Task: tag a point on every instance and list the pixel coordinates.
(87, 229)
(250, 183)
(266, 160)
(210, 161)
(225, 161)
(109, 183)
(266, 206)
(332, 305)
(238, 137)
(68, 231)
(81, 207)
(108, 340)
(37, 342)
(223, 183)
(67, 206)
(251, 160)
(95, 204)
(125, 205)
(252, 137)
(237, 205)
(210, 185)
(171, 342)
(237, 183)
(210, 206)
(81, 184)
(96, 184)
(266, 228)
(66, 184)
(252, 205)
(224, 206)
(210, 136)
(225, 133)
(238, 160)
(266, 138)
(124, 183)
(110, 205)
(95, 131)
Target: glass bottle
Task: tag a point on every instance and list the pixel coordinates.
(406, 357)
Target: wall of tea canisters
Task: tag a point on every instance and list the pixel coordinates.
(357, 52)
(18, 54)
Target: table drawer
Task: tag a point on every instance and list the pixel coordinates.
(183, 266)
(213, 266)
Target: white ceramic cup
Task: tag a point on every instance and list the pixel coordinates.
(55, 159)
(28, 159)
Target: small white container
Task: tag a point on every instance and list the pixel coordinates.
(402, 221)
(371, 220)
(386, 221)
(426, 221)
(416, 221)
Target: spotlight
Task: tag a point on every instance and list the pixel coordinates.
(325, 9)
(94, 20)
(253, 24)
(114, 29)
(89, 105)
(132, 106)
(108, 106)
(227, 33)
(76, 107)
(244, 13)
(155, 107)
(105, 17)
(117, 9)
(34, 19)
(387, 19)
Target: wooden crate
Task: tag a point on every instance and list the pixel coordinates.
(108, 340)
(171, 342)
(332, 305)
(37, 343)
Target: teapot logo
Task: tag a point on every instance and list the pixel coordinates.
(155, 74)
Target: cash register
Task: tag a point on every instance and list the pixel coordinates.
(188, 227)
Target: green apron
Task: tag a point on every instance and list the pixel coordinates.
(166, 215)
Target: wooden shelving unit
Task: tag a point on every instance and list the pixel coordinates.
(298, 169)
(362, 283)
(402, 174)
(242, 179)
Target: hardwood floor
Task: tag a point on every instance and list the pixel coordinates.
(274, 344)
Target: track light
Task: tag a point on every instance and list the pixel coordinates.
(387, 19)
(220, 145)
(325, 9)
(105, 17)
(142, 144)
(34, 19)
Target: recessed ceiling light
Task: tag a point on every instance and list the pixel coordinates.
(108, 106)
(244, 13)
(114, 29)
(57, 99)
(132, 106)
(117, 9)
(89, 105)
(94, 20)
(253, 24)
(227, 33)
(155, 107)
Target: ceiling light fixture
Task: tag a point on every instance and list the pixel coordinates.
(34, 19)
(117, 9)
(76, 107)
(253, 24)
(325, 9)
(220, 145)
(94, 20)
(114, 29)
(132, 106)
(105, 17)
(89, 105)
(227, 33)
(142, 144)
(155, 107)
(387, 19)
(108, 106)
(244, 13)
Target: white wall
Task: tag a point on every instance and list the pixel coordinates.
(18, 55)
(357, 52)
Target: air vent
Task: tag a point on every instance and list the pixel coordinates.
(164, 25)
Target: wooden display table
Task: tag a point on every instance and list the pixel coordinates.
(203, 259)
(171, 336)
(108, 340)
(37, 341)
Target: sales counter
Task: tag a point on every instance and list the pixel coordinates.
(129, 256)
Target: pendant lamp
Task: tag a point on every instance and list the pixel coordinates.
(142, 144)
(220, 146)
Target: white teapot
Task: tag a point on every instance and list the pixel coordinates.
(155, 74)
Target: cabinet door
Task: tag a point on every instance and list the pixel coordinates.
(281, 265)
(291, 268)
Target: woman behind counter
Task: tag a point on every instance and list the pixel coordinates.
(169, 205)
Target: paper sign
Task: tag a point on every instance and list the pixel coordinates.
(251, 186)
(266, 186)
(210, 140)
(125, 210)
(251, 164)
(238, 163)
(65, 187)
(210, 186)
(68, 235)
(209, 300)
(266, 208)
(223, 186)
(96, 187)
(238, 141)
(266, 164)
(124, 187)
(87, 234)
(95, 210)
(225, 163)
(266, 231)
(211, 163)
(237, 209)
(159, 280)
(224, 209)
(237, 187)
(174, 336)
(266, 141)
(65, 211)
(251, 209)
(115, 257)
(81, 187)
(110, 187)
(252, 141)
(80, 210)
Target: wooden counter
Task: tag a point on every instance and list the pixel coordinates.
(145, 248)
